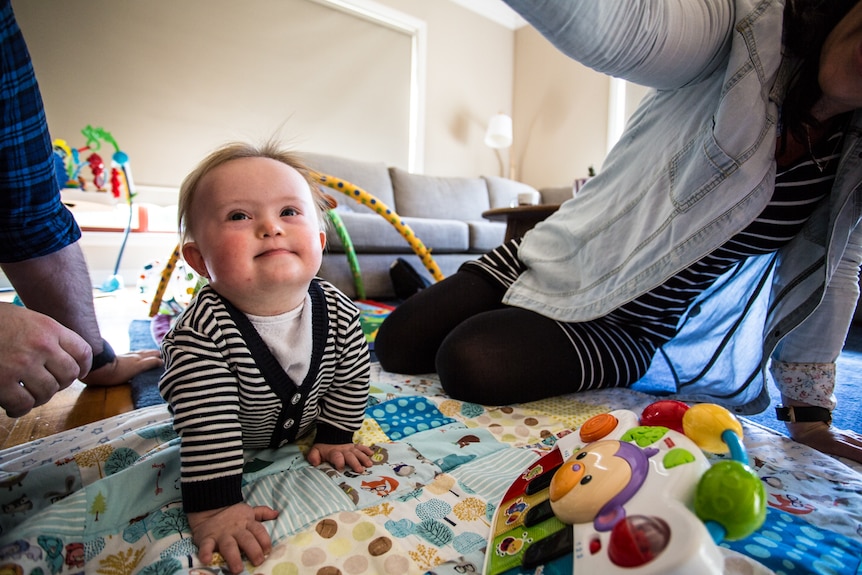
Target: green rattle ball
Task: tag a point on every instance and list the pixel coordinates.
(731, 495)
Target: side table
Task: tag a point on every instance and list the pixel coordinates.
(520, 219)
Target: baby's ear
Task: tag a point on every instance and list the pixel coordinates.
(193, 256)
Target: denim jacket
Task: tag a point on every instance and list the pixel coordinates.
(693, 167)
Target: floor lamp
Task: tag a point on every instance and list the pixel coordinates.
(499, 136)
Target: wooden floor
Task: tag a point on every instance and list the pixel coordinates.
(74, 406)
(79, 404)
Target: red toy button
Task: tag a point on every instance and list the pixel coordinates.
(665, 413)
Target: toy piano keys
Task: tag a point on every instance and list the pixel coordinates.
(633, 495)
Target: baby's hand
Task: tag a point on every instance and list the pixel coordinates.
(232, 531)
(358, 457)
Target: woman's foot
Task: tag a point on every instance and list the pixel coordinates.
(821, 436)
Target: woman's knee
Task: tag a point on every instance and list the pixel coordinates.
(396, 349)
(488, 360)
(455, 365)
(407, 341)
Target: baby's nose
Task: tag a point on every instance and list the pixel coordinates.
(271, 227)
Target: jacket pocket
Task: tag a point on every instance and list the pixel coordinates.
(698, 169)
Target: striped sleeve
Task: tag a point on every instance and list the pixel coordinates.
(345, 372)
(203, 394)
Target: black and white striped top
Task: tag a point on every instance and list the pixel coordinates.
(798, 190)
(652, 318)
(227, 392)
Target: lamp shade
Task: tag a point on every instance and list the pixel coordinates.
(499, 134)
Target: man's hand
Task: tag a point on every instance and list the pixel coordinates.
(233, 531)
(124, 368)
(358, 457)
(38, 358)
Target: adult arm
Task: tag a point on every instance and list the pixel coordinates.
(663, 44)
(58, 285)
(39, 235)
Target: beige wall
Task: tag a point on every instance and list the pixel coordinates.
(560, 109)
(470, 69)
(469, 77)
(561, 113)
(171, 80)
(475, 68)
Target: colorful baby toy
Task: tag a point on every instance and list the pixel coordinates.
(634, 495)
(71, 169)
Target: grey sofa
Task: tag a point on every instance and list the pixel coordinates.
(444, 212)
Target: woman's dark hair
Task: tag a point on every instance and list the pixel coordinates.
(807, 23)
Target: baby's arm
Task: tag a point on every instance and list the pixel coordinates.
(205, 414)
(356, 456)
(233, 531)
(343, 402)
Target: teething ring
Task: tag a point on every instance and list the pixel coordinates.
(387, 213)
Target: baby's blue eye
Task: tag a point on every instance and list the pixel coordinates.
(288, 212)
(237, 217)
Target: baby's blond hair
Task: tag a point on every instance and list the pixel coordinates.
(236, 151)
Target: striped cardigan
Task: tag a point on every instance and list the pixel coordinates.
(228, 393)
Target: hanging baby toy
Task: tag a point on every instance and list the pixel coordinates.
(70, 174)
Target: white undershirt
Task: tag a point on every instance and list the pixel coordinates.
(288, 337)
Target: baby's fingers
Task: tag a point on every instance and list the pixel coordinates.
(230, 551)
(264, 513)
(358, 461)
(255, 544)
(314, 457)
(205, 550)
(364, 454)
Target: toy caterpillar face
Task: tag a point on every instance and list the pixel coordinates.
(595, 482)
(587, 481)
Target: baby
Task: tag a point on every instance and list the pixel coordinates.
(266, 352)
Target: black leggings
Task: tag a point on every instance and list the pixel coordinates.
(490, 353)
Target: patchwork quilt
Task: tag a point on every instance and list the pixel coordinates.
(104, 498)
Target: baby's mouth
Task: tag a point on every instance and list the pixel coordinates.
(274, 252)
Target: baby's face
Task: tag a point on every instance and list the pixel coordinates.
(257, 236)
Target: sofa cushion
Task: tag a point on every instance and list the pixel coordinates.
(485, 235)
(441, 236)
(503, 192)
(456, 198)
(371, 233)
(373, 177)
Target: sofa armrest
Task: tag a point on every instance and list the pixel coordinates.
(556, 195)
